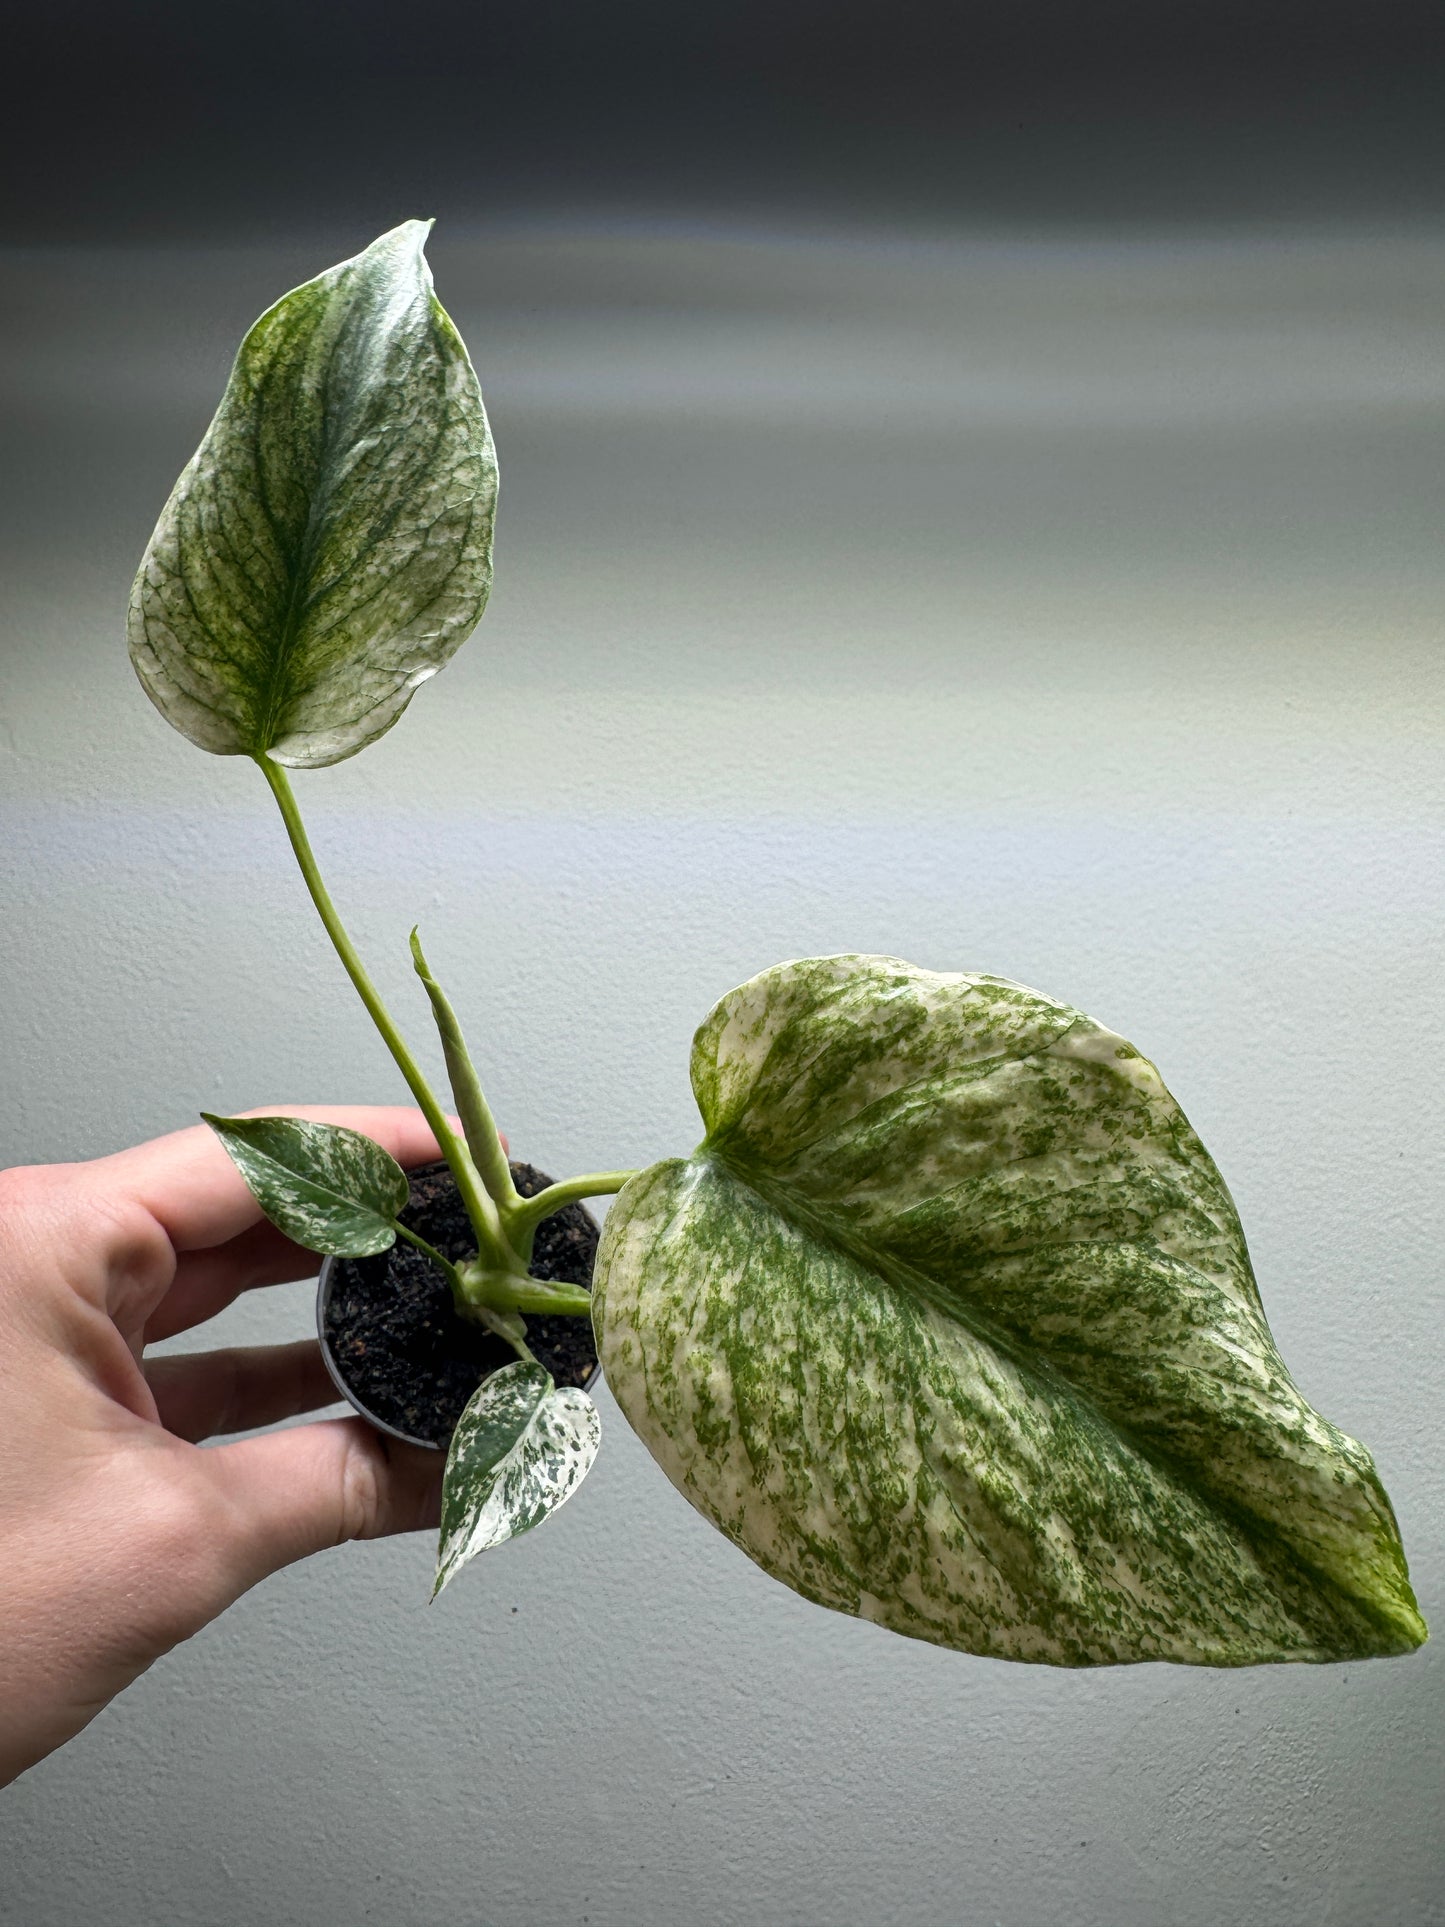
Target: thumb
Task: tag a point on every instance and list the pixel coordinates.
(292, 1493)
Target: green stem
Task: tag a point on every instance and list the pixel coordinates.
(507, 1290)
(453, 1275)
(483, 1139)
(480, 1208)
(529, 1212)
(506, 1325)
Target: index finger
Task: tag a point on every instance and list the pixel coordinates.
(189, 1185)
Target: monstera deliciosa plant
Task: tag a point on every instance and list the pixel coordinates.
(947, 1322)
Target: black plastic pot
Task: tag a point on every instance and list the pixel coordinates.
(396, 1347)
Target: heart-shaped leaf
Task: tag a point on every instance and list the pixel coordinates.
(950, 1323)
(328, 547)
(330, 1189)
(521, 1448)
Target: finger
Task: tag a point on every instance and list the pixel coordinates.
(292, 1493)
(205, 1393)
(193, 1190)
(206, 1282)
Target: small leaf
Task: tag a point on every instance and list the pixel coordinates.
(328, 547)
(521, 1448)
(330, 1189)
(949, 1323)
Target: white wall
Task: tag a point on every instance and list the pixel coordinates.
(1064, 607)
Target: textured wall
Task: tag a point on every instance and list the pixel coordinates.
(1067, 608)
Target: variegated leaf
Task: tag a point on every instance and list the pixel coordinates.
(330, 1189)
(328, 547)
(521, 1448)
(949, 1323)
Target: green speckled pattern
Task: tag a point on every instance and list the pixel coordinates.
(950, 1323)
(521, 1449)
(329, 1189)
(329, 545)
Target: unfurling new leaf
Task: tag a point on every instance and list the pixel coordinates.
(330, 1189)
(949, 1323)
(521, 1449)
(328, 547)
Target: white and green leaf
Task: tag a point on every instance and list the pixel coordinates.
(328, 547)
(950, 1323)
(330, 1189)
(521, 1449)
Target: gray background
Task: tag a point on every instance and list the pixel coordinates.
(1063, 603)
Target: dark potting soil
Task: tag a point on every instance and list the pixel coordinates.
(398, 1339)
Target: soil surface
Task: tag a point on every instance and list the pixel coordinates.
(397, 1338)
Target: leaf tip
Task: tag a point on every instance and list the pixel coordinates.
(418, 959)
(411, 235)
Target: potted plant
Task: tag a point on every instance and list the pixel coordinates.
(947, 1322)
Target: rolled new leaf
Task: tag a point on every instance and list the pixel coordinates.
(478, 1126)
(949, 1323)
(332, 1190)
(521, 1449)
(328, 547)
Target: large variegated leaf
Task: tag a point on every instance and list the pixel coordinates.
(521, 1448)
(328, 546)
(330, 1189)
(949, 1323)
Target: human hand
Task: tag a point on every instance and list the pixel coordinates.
(119, 1535)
